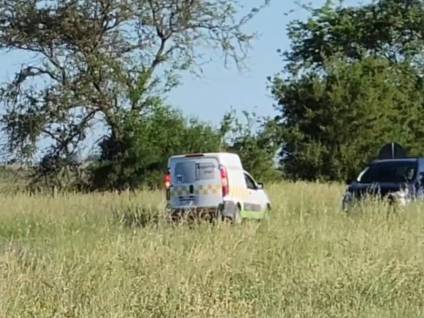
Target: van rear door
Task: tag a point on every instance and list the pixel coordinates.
(196, 182)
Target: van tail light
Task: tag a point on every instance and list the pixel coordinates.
(167, 181)
(224, 181)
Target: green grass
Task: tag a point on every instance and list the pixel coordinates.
(109, 255)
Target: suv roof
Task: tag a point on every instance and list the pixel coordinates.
(397, 159)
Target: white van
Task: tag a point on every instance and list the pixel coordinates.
(215, 183)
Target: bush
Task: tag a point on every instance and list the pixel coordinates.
(139, 156)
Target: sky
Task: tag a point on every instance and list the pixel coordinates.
(219, 89)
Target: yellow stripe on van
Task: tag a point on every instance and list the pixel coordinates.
(199, 190)
(180, 191)
(208, 189)
(214, 189)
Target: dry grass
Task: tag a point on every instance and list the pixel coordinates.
(116, 256)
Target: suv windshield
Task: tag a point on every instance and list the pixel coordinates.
(390, 171)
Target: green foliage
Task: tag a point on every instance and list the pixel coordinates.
(255, 145)
(353, 84)
(390, 29)
(13, 179)
(139, 156)
(333, 125)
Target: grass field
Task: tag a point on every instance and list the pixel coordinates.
(109, 255)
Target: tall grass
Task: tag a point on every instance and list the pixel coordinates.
(109, 255)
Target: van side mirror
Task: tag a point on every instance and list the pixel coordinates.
(260, 186)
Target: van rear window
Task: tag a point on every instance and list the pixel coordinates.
(190, 171)
(184, 172)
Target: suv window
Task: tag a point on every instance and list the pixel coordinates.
(249, 182)
(390, 171)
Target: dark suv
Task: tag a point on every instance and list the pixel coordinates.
(398, 180)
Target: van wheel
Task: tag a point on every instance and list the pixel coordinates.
(219, 215)
(237, 215)
(235, 218)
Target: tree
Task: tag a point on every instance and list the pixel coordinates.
(352, 84)
(255, 145)
(98, 60)
(140, 158)
(390, 29)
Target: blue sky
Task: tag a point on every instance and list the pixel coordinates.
(211, 96)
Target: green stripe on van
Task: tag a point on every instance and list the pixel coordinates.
(255, 215)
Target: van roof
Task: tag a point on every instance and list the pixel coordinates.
(221, 156)
(205, 154)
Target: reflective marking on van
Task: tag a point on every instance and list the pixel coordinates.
(209, 189)
(214, 189)
(179, 191)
